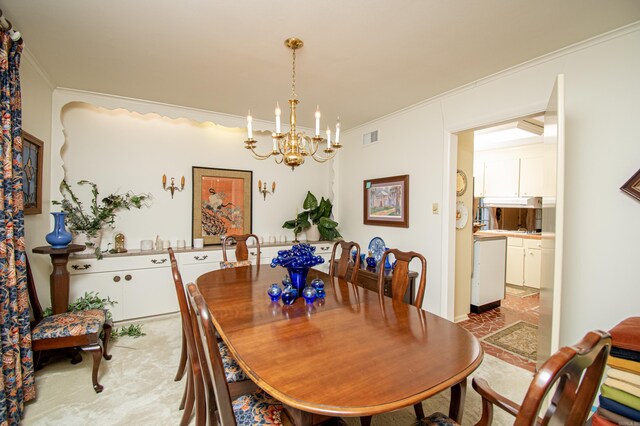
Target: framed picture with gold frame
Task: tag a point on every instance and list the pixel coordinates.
(632, 186)
(221, 203)
(32, 152)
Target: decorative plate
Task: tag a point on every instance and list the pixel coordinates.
(461, 214)
(377, 248)
(461, 183)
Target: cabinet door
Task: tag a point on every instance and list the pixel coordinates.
(102, 283)
(532, 267)
(478, 179)
(148, 292)
(515, 265)
(531, 172)
(501, 178)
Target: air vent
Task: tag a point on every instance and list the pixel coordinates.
(369, 138)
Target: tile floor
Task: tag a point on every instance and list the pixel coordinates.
(513, 309)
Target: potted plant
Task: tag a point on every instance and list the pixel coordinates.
(315, 215)
(86, 224)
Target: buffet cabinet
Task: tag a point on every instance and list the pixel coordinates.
(141, 283)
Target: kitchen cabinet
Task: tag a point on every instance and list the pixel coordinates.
(523, 262)
(502, 178)
(531, 173)
(139, 285)
(478, 179)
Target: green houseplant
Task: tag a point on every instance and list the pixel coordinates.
(315, 213)
(87, 223)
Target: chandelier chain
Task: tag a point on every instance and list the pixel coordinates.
(293, 76)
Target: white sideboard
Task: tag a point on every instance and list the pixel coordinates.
(141, 283)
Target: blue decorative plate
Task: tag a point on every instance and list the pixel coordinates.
(377, 248)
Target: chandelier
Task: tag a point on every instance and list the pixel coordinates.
(292, 147)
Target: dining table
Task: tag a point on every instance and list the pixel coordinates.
(352, 353)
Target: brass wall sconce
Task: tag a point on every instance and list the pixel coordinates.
(262, 188)
(172, 188)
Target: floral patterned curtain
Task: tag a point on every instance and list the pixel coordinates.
(17, 378)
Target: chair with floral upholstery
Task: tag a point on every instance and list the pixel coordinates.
(69, 330)
(194, 388)
(224, 408)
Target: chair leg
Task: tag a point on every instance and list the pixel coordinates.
(106, 336)
(96, 353)
(183, 359)
(365, 420)
(201, 407)
(190, 399)
(187, 383)
(419, 412)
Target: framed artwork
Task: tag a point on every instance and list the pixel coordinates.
(632, 186)
(32, 151)
(386, 201)
(221, 203)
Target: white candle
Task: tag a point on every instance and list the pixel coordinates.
(249, 125)
(338, 131)
(278, 112)
(318, 120)
(275, 142)
(328, 138)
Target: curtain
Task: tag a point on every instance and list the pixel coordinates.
(17, 378)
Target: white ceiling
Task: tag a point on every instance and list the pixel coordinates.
(362, 59)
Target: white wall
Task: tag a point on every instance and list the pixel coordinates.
(601, 232)
(36, 120)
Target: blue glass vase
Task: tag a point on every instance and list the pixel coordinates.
(59, 237)
(288, 295)
(298, 277)
(274, 292)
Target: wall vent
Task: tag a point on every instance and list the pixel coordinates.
(369, 138)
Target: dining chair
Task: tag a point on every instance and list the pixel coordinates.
(576, 370)
(223, 408)
(80, 330)
(399, 284)
(340, 268)
(194, 387)
(241, 251)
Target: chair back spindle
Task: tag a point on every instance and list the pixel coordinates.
(241, 251)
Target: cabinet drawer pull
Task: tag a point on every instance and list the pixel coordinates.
(252, 253)
(158, 261)
(116, 279)
(81, 267)
(325, 248)
(127, 277)
(200, 257)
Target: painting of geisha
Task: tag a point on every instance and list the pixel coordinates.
(221, 203)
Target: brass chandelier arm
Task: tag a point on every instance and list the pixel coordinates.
(255, 154)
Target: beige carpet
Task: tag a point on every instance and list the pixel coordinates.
(520, 291)
(139, 387)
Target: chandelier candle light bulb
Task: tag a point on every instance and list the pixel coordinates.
(278, 112)
(318, 120)
(328, 139)
(249, 126)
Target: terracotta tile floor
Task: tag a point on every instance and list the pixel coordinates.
(513, 309)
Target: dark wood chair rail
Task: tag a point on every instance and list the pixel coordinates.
(321, 357)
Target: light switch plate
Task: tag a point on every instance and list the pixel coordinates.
(435, 209)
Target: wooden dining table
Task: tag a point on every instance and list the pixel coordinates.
(353, 353)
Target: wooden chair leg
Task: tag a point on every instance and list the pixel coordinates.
(201, 407)
(183, 359)
(190, 399)
(96, 353)
(187, 383)
(365, 420)
(419, 411)
(106, 336)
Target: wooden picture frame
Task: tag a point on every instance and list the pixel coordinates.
(32, 153)
(632, 186)
(386, 201)
(221, 203)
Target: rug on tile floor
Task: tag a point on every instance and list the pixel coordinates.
(520, 291)
(520, 338)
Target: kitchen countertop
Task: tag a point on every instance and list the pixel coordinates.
(508, 234)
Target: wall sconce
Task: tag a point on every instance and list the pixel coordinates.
(172, 188)
(262, 188)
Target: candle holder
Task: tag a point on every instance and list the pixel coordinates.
(172, 188)
(262, 188)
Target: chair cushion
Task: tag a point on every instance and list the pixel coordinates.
(69, 324)
(437, 419)
(231, 368)
(226, 264)
(257, 409)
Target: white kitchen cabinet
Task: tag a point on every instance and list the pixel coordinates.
(531, 173)
(501, 178)
(532, 264)
(515, 265)
(478, 179)
(140, 285)
(192, 264)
